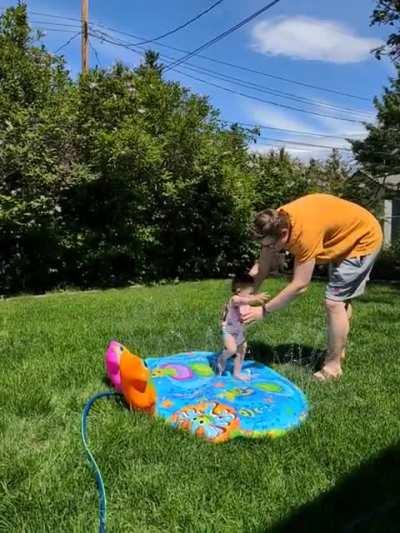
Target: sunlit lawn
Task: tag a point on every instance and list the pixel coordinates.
(158, 479)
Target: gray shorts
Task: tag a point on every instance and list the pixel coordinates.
(348, 278)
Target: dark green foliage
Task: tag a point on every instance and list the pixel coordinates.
(388, 12)
(37, 160)
(388, 264)
(121, 176)
(379, 153)
(280, 179)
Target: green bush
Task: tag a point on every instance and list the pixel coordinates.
(122, 176)
(37, 159)
(118, 177)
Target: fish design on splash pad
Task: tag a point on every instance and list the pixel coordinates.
(184, 390)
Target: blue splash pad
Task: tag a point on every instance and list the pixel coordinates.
(219, 408)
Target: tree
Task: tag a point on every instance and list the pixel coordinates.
(124, 176)
(172, 194)
(388, 12)
(119, 176)
(379, 153)
(335, 174)
(36, 155)
(279, 178)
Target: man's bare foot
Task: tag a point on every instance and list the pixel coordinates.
(242, 377)
(330, 371)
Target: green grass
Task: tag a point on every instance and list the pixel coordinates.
(338, 467)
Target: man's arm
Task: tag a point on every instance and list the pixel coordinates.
(301, 279)
(261, 269)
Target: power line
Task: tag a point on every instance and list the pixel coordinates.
(48, 22)
(264, 127)
(312, 145)
(276, 92)
(224, 88)
(304, 149)
(41, 14)
(281, 78)
(232, 91)
(95, 53)
(187, 23)
(53, 29)
(297, 132)
(258, 87)
(223, 35)
(344, 137)
(67, 43)
(214, 60)
(248, 96)
(241, 67)
(255, 86)
(276, 104)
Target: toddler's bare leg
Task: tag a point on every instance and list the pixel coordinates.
(237, 366)
(229, 350)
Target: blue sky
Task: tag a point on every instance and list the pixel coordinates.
(319, 43)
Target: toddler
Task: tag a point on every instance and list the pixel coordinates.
(233, 330)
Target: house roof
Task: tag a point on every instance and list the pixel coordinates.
(394, 179)
(391, 182)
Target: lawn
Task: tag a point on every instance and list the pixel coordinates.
(340, 471)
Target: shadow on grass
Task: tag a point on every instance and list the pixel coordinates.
(106, 381)
(366, 501)
(297, 354)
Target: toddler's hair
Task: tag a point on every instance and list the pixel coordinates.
(241, 281)
(269, 223)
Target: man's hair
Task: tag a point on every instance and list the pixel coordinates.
(269, 223)
(242, 280)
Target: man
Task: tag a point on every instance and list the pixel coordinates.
(317, 229)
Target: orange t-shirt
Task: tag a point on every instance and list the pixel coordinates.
(327, 228)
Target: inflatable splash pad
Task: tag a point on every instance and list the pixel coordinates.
(184, 390)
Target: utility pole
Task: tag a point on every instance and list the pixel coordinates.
(85, 36)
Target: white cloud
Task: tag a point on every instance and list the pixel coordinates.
(301, 153)
(312, 39)
(347, 129)
(304, 153)
(270, 115)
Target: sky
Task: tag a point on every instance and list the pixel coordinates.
(320, 43)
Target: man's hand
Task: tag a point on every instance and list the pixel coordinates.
(252, 314)
(254, 299)
(261, 298)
